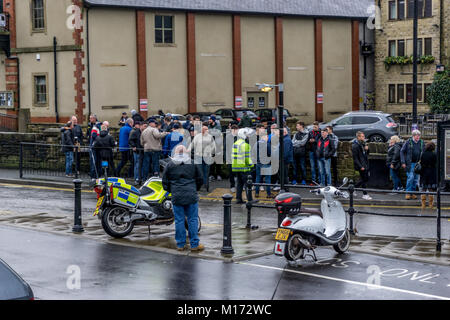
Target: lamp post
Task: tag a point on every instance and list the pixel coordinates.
(414, 107)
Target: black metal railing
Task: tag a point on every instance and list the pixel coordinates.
(352, 211)
(426, 123)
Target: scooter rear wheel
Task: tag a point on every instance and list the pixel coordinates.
(294, 248)
(112, 224)
(343, 245)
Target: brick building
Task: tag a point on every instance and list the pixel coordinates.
(394, 49)
(68, 57)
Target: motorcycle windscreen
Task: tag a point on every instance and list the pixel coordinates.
(125, 197)
(334, 217)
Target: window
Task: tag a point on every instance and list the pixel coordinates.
(164, 29)
(409, 93)
(426, 86)
(344, 121)
(40, 90)
(410, 9)
(419, 47)
(262, 102)
(393, 10)
(38, 15)
(365, 120)
(400, 93)
(250, 102)
(428, 47)
(401, 10)
(419, 92)
(428, 10)
(392, 93)
(392, 48)
(401, 48)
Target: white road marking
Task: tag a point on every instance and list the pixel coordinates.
(364, 284)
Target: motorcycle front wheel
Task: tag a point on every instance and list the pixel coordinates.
(294, 249)
(113, 224)
(343, 245)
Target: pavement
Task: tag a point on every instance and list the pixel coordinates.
(247, 244)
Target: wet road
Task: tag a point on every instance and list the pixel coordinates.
(69, 267)
(35, 200)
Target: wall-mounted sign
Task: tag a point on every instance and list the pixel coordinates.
(238, 102)
(143, 105)
(320, 97)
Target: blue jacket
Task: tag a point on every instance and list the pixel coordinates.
(406, 152)
(124, 135)
(288, 154)
(171, 141)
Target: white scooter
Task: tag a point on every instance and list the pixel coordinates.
(308, 228)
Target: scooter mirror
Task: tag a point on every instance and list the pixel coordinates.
(345, 181)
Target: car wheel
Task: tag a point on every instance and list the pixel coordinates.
(377, 138)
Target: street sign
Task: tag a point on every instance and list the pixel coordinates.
(443, 151)
(143, 105)
(320, 97)
(238, 102)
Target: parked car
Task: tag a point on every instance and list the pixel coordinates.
(12, 286)
(228, 115)
(271, 114)
(204, 116)
(377, 126)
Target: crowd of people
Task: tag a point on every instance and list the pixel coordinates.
(143, 143)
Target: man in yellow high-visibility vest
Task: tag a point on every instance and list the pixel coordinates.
(242, 161)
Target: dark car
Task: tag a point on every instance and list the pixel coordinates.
(204, 116)
(376, 126)
(228, 115)
(271, 114)
(12, 286)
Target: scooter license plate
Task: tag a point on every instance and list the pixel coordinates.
(282, 234)
(99, 204)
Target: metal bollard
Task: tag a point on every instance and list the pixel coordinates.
(227, 247)
(351, 209)
(78, 224)
(249, 204)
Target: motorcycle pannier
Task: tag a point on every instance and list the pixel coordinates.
(288, 204)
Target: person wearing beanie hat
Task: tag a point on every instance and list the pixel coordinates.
(136, 116)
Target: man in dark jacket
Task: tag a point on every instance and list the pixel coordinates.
(324, 151)
(68, 147)
(313, 137)
(299, 142)
(360, 151)
(136, 116)
(92, 133)
(410, 155)
(245, 122)
(103, 146)
(134, 142)
(183, 180)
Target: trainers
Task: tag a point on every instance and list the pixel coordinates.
(180, 249)
(200, 247)
(261, 188)
(276, 189)
(233, 190)
(219, 178)
(303, 183)
(294, 182)
(211, 178)
(367, 197)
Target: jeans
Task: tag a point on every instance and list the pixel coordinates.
(151, 161)
(205, 172)
(299, 167)
(364, 179)
(137, 166)
(125, 157)
(313, 161)
(69, 162)
(395, 179)
(325, 171)
(412, 179)
(191, 213)
(262, 178)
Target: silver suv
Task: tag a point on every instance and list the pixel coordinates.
(377, 126)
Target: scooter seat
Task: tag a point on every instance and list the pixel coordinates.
(310, 211)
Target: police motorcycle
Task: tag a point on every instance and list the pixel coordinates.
(303, 230)
(121, 206)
